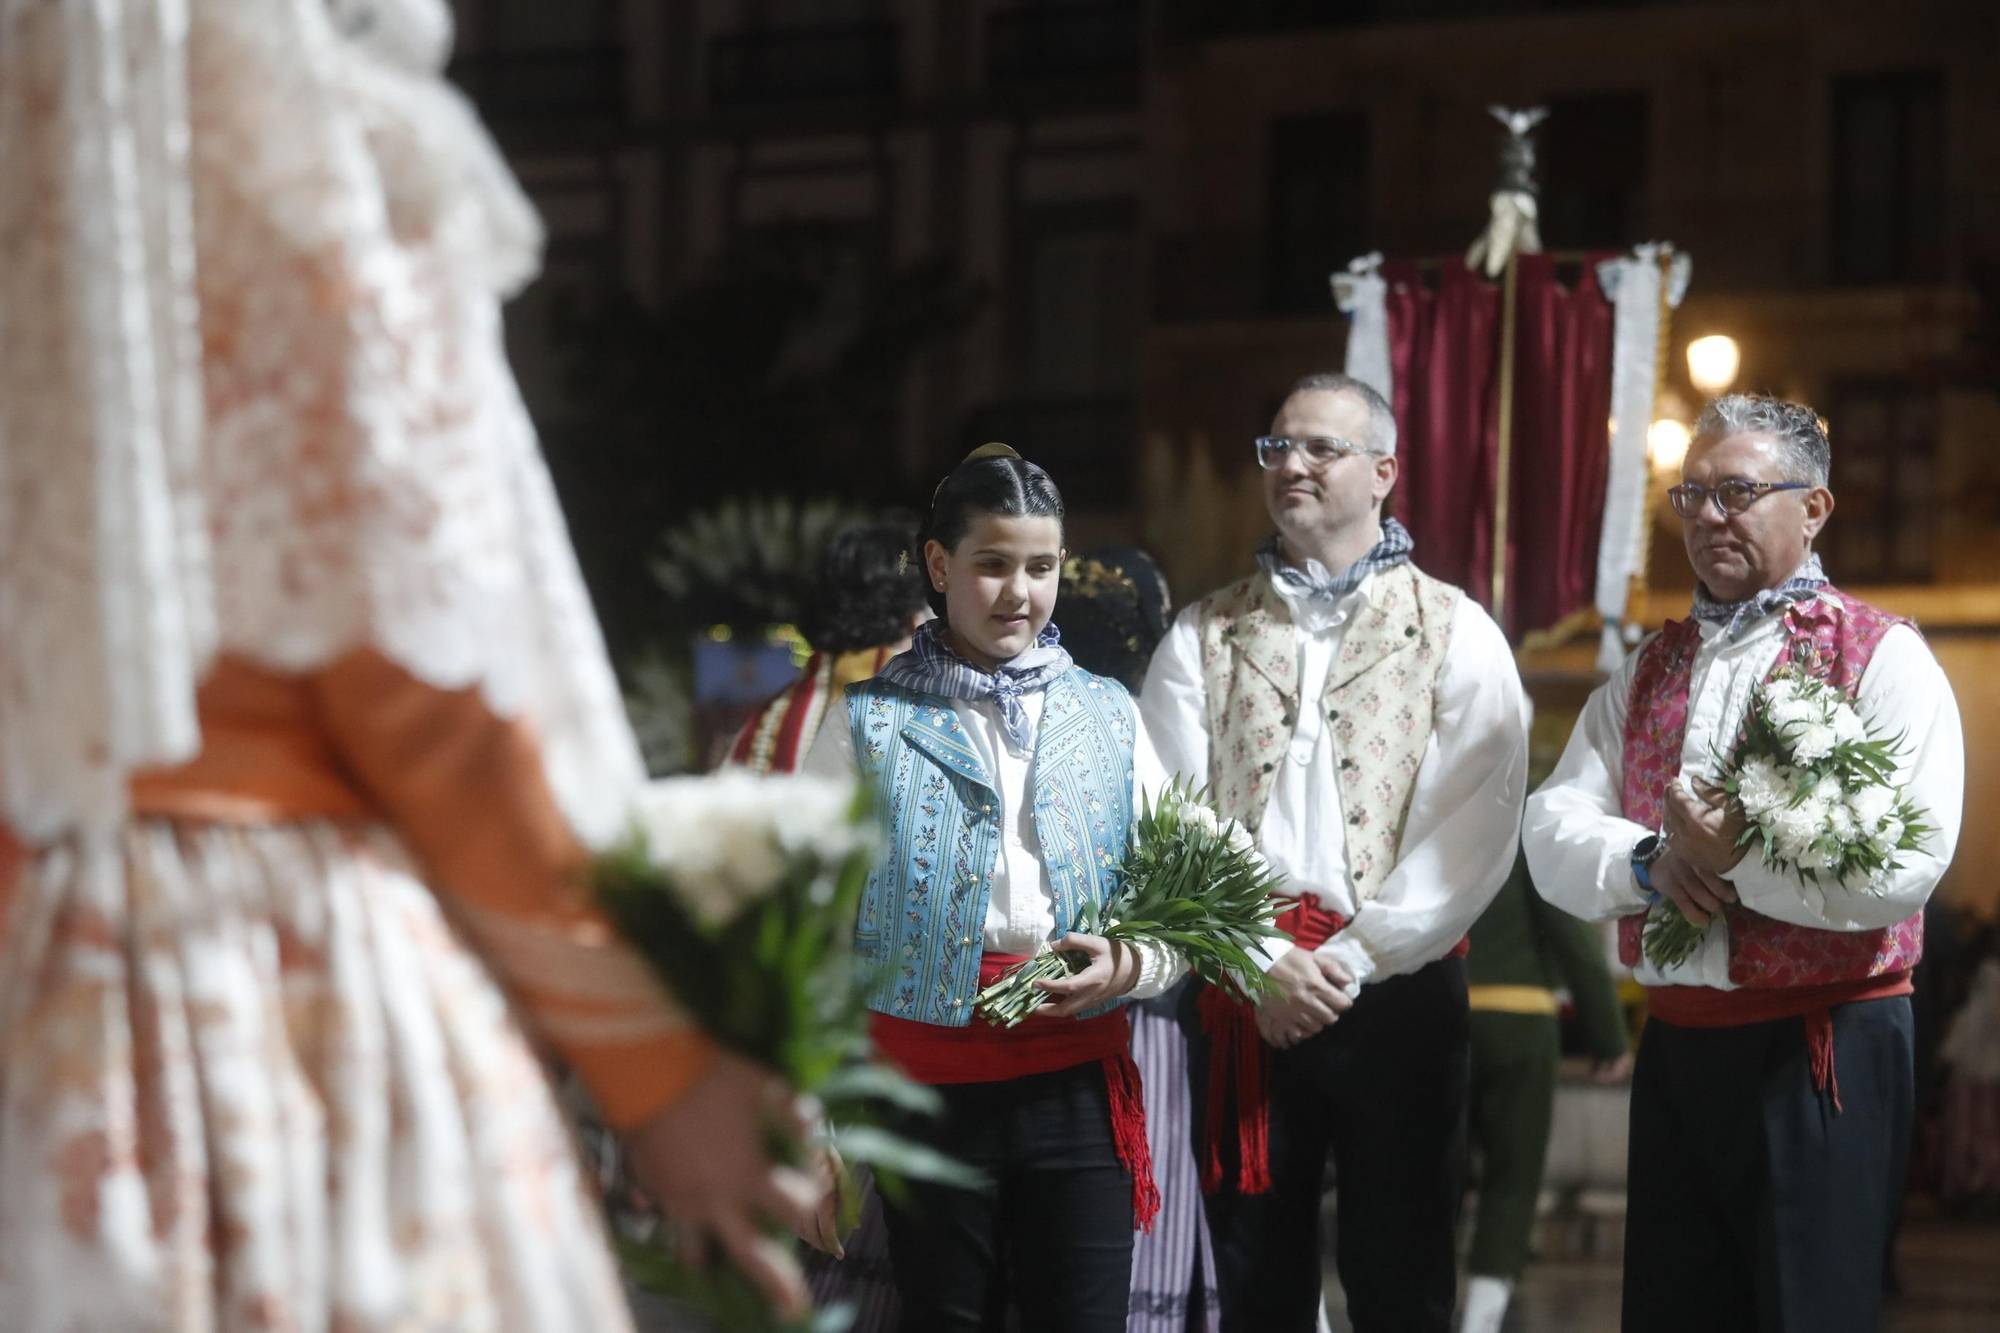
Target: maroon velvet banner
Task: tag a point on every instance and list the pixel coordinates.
(1445, 353)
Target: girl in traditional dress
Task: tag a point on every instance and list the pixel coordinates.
(304, 716)
(1006, 779)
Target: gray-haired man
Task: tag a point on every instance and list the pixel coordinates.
(1366, 722)
(1771, 1102)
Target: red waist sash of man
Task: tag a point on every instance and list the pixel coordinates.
(1707, 1007)
(1237, 1056)
(981, 1052)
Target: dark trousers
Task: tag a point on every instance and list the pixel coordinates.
(1052, 1230)
(1753, 1206)
(1383, 1091)
(1514, 1061)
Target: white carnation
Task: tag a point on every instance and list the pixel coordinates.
(1847, 727)
(1813, 857)
(1780, 691)
(1828, 791)
(1759, 786)
(814, 817)
(1814, 740)
(1201, 817)
(722, 842)
(1240, 839)
(1840, 819)
(1870, 804)
(1792, 712)
(1891, 835)
(1794, 828)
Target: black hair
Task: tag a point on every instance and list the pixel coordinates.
(867, 590)
(1003, 485)
(1115, 610)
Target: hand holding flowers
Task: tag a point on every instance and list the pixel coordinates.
(741, 893)
(1191, 882)
(1810, 782)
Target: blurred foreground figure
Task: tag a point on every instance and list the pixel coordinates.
(1772, 1098)
(305, 720)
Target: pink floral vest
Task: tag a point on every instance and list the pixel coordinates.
(1762, 952)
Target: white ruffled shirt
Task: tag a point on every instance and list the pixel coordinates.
(1465, 810)
(1579, 842)
(1020, 908)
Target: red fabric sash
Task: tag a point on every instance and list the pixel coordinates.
(1706, 1007)
(1236, 1057)
(980, 1052)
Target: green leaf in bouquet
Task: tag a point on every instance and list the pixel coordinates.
(883, 1084)
(892, 1155)
(719, 1294)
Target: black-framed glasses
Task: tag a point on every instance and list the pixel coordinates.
(1732, 497)
(1317, 450)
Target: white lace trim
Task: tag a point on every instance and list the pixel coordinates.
(253, 395)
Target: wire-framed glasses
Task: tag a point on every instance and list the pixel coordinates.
(1731, 497)
(1317, 450)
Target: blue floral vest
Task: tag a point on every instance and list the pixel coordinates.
(924, 911)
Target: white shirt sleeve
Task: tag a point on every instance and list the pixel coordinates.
(832, 753)
(1578, 841)
(1465, 812)
(1903, 693)
(1173, 704)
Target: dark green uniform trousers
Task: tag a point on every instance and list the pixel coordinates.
(1514, 1059)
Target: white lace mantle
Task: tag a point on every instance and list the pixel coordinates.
(253, 395)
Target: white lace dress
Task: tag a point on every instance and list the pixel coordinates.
(263, 1053)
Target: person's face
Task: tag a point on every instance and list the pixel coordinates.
(999, 584)
(1309, 502)
(1738, 555)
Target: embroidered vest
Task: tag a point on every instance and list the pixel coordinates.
(923, 913)
(1378, 701)
(1842, 633)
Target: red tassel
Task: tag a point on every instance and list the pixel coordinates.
(1819, 1051)
(1128, 1132)
(1253, 1109)
(1235, 1056)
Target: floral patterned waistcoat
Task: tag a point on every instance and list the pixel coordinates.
(1379, 700)
(923, 914)
(1842, 633)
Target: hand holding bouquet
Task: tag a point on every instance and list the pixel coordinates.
(1818, 787)
(1191, 882)
(741, 893)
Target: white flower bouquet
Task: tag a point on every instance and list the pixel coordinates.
(741, 892)
(1818, 788)
(1192, 882)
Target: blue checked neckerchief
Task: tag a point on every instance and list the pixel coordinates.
(1318, 585)
(1735, 617)
(931, 667)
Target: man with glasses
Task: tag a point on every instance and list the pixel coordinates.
(1772, 1099)
(1366, 723)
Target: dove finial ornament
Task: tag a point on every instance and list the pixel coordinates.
(1512, 226)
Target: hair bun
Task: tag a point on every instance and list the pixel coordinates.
(991, 449)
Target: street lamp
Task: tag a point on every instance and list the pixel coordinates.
(1667, 445)
(1713, 362)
